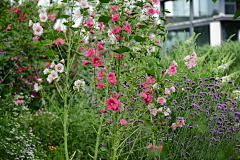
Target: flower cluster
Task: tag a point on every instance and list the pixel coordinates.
(79, 84)
(190, 60)
(59, 68)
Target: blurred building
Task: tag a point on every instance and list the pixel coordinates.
(212, 20)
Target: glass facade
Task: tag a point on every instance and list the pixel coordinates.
(205, 8)
(204, 37)
(174, 36)
(230, 28)
(230, 7)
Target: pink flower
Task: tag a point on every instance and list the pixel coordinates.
(83, 4)
(154, 111)
(20, 101)
(179, 124)
(112, 104)
(100, 46)
(159, 148)
(101, 25)
(124, 65)
(89, 52)
(174, 126)
(151, 147)
(172, 89)
(150, 38)
(123, 121)
(167, 91)
(36, 38)
(86, 62)
(60, 40)
(116, 95)
(100, 84)
(158, 40)
(96, 61)
(89, 23)
(187, 58)
(91, 15)
(115, 17)
(155, 1)
(172, 70)
(174, 63)
(157, 11)
(147, 5)
(117, 30)
(103, 111)
(100, 75)
(192, 62)
(91, 32)
(189, 65)
(129, 12)
(113, 9)
(161, 100)
(53, 17)
(194, 55)
(150, 11)
(128, 28)
(111, 78)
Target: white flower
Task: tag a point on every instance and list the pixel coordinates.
(83, 4)
(79, 83)
(168, 110)
(52, 65)
(75, 88)
(40, 80)
(166, 113)
(160, 109)
(30, 23)
(36, 87)
(45, 70)
(36, 24)
(49, 79)
(154, 111)
(42, 10)
(54, 74)
(59, 68)
(38, 30)
(78, 13)
(62, 61)
(43, 17)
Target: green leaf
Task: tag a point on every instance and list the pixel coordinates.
(75, 29)
(122, 50)
(139, 39)
(49, 53)
(142, 26)
(104, 19)
(66, 24)
(58, 9)
(52, 37)
(139, 4)
(65, 16)
(214, 1)
(104, 1)
(236, 15)
(64, 1)
(150, 71)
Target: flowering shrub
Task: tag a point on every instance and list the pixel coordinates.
(105, 62)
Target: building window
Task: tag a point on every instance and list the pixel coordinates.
(204, 37)
(230, 7)
(205, 8)
(175, 36)
(230, 28)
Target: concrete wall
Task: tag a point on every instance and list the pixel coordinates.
(215, 33)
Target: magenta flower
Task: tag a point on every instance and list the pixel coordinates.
(174, 63)
(113, 9)
(167, 91)
(179, 124)
(89, 52)
(112, 104)
(174, 126)
(123, 121)
(158, 40)
(96, 61)
(115, 17)
(86, 62)
(117, 30)
(192, 62)
(155, 1)
(89, 23)
(100, 75)
(101, 25)
(100, 84)
(128, 28)
(104, 111)
(53, 17)
(150, 11)
(111, 78)
(172, 70)
(151, 147)
(100, 46)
